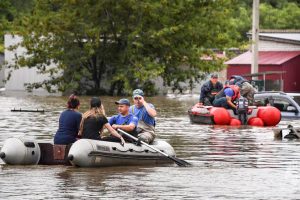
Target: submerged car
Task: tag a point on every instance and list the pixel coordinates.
(287, 103)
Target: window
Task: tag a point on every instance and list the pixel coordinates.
(297, 99)
(282, 104)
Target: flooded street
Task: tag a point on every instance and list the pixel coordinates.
(228, 163)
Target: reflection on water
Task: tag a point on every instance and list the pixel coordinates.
(241, 163)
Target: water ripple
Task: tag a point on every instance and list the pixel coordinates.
(228, 163)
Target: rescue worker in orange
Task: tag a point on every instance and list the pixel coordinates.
(226, 97)
(209, 90)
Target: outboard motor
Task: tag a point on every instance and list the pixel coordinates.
(242, 109)
(20, 151)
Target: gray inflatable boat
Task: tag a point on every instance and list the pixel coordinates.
(83, 153)
(94, 153)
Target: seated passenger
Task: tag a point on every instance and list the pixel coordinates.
(247, 90)
(145, 112)
(209, 90)
(69, 122)
(226, 97)
(93, 121)
(124, 120)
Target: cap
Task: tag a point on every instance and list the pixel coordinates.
(214, 75)
(123, 102)
(95, 102)
(137, 92)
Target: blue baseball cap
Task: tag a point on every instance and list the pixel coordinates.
(123, 102)
(137, 92)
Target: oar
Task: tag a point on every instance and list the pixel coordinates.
(178, 161)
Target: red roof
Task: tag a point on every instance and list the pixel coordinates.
(264, 58)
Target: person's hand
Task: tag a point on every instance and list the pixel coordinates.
(115, 126)
(142, 100)
(122, 141)
(200, 104)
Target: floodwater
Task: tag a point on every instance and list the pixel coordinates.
(227, 163)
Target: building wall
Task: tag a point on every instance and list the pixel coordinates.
(238, 70)
(270, 79)
(20, 76)
(277, 46)
(292, 81)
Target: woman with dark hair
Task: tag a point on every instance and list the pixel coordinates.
(94, 120)
(69, 122)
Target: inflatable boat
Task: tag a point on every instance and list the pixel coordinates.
(23, 151)
(94, 153)
(83, 153)
(252, 115)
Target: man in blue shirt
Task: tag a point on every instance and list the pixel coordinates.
(124, 120)
(145, 112)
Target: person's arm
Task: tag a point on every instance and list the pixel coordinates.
(220, 86)
(128, 128)
(202, 93)
(228, 98)
(114, 132)
(151, 111)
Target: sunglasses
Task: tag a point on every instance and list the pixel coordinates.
(137, 98)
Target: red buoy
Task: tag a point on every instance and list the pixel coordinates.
(255, 121)
(270, 115)
(221, 115)
(235, 122)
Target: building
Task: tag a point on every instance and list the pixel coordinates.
(19, 77)
(278, 61)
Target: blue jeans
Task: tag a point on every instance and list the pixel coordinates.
(221, 102)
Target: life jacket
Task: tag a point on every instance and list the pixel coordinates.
(222, 93)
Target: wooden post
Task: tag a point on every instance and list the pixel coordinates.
(255, 37)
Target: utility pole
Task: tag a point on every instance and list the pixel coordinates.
(255, 37)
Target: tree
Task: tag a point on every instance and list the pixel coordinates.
(125, 44)
(5, 17)
(285, 17)
(9, 11)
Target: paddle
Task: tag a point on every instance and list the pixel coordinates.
(178, 161)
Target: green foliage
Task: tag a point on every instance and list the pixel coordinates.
(9, 11)
(126, 44)
(5, 16)
(114, 46)
(286, 17)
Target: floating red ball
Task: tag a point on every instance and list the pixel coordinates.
(255, 121)
(221, 115)
(235, 122)
(270, 115)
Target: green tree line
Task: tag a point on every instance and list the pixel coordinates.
(112, 46)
